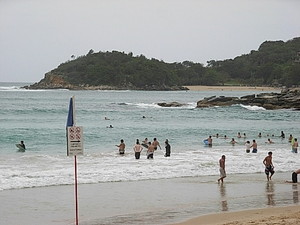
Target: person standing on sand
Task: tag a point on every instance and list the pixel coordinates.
(168, 148)
(137, 149)
(254, 147)
(222, 169)
(269, 167)
(121, 147)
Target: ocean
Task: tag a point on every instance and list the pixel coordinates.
(38, 117)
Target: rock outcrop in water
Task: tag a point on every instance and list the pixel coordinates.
(287, 99)
(171, 104)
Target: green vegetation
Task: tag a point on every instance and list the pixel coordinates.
(274, 63)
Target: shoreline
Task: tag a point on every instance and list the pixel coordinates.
(230, 88)
(287, 215)
(177, 201)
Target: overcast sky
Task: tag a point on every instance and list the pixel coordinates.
(37, 35)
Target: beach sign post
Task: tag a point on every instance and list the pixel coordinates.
(75, 142)
(74, 145)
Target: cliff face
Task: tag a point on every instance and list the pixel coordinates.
(50, 81)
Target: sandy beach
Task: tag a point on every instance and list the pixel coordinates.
(272, 216)
(231, 88)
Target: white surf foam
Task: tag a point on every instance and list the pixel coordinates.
(254, 108)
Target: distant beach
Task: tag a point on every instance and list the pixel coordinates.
(231, 88)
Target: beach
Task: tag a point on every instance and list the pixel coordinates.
(37, 186)
(154, 202)
(231, 88)
(289, 215)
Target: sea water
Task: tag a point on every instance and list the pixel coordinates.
(38, 117)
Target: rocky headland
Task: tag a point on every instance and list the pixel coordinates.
(54, 81)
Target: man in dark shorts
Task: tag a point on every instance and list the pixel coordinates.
(269, 166)
(121, 147)
(150, 151)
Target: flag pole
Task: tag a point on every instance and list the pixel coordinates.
(71, 122)
(76, 190)
(75, 166)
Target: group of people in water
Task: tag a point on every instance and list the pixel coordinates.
(248, 145)
(150, 146)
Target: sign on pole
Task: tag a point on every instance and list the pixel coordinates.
(75, 140)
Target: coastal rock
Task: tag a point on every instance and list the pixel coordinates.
(287, 99)
(171, 104)
(217, 101)
(51, 81)
(248, 97)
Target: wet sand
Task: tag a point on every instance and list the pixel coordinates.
(231, 88)
(272, 216)
(149, 202)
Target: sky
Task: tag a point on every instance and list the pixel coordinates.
(38, 35)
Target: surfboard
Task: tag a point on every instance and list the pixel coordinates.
(20, 147)
(205, 142)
